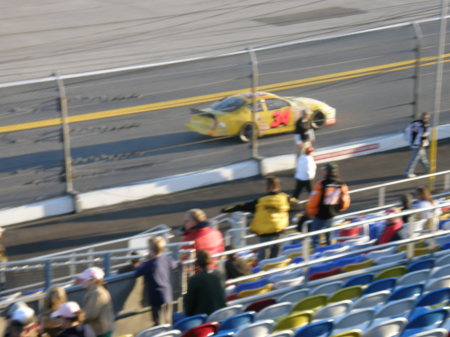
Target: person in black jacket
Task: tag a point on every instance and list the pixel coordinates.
(417, 133)
(206, 289)
(304, 131)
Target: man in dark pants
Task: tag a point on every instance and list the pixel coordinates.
(416, 134)
(271, 215)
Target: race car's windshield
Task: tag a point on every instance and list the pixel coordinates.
(228, 104)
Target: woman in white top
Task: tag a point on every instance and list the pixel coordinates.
(305, 172)
(425, 200)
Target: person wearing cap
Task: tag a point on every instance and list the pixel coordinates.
(156, 271)
(305, 172)
(71, 318)
(98, 307)
(21, 321)
(328, 198)
(271, 215)
(304, 130)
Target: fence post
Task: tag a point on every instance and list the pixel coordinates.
(47, 274)
(66, 138)
(107, 264)
(381, 196)
(419, 38)
(239, 225)
(305, 253)
(255, 77)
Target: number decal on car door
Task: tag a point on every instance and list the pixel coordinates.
(281, 117)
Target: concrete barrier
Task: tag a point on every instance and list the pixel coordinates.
(183, 182)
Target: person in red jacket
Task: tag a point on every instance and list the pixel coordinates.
(197, 228)
(391, 229)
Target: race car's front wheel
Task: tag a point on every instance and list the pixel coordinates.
(246, 132)
(318, 119)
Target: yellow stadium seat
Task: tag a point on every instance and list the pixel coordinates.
(257, 291)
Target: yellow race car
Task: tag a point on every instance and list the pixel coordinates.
(274, 114)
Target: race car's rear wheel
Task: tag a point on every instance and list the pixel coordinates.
(246, 132)
(318, 119)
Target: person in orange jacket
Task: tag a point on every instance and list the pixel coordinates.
(328, 198)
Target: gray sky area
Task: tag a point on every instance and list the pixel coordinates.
(40, 37)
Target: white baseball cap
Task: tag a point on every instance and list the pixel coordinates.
(23, 314)
(67, 310)
(91, 273)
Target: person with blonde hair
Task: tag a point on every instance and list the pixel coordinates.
(71, 318)
(53, 298)
(157, 271)
(98, 306)
(197, 228)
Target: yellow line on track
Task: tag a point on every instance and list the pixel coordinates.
(345, 75)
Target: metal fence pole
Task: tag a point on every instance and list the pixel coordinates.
(419, 38)
(47, 274)
(107, 264)
(65, 135)
(381, 196)
(255, 77)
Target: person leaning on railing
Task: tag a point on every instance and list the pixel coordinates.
(271, 215)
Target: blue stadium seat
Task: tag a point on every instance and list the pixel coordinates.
(190, 322)
(432, 298)
(421, 264)
(383, 284)
(316, 329)
(231, 324)
(359, 280)
(426, 321)
(324, 248)
(251, 285)
(412, 290)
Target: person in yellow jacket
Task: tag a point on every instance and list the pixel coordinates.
(328, 198)
(271, 215)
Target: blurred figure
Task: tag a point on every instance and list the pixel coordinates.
(71, 318)
(304, 131)
(197, 228)
(206, 289)
(329, 197)
(3, 259)
(392, 227)
(406, 201)
(417, 133)
(98, 307)
(424, 199)
(21, 321)
(156, 271)
(305, 172)
(271, 215)
(134, 263)
(236, 266)
(53, 298)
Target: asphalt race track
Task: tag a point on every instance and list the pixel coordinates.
(65, 232)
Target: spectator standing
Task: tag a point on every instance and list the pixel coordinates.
(98, 307)
(406, 204)
(71, 319)
(197, 228)
(156, 271)
(424, 199)
(416, 133)
(206, 289)
(271, 215)
(304, 130)
(305, 172)
(53, 298)
(328, 198)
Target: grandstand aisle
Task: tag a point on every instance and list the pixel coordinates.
(60, 233)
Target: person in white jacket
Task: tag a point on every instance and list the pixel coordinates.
(305, 172)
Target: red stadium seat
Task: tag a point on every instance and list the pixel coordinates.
(203, 330)
(261, 304)
(323, 274)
